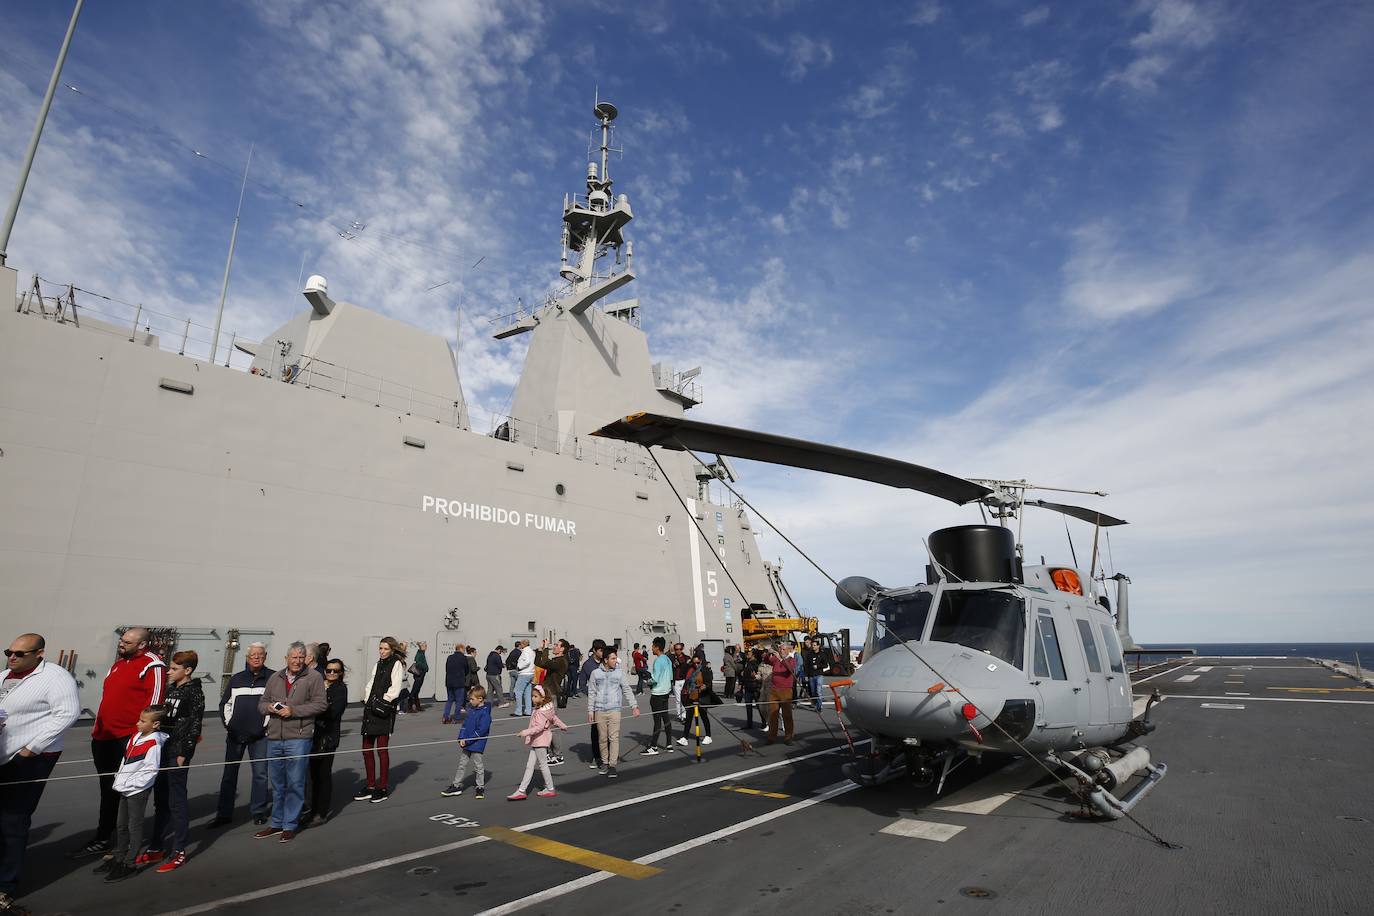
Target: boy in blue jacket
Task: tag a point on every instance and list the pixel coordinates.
(472, 741)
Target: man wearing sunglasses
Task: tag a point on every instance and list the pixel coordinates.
(38, 702)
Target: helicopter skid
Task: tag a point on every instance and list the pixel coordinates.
(1103, 778)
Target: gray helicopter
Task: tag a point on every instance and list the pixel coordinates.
(989, 654)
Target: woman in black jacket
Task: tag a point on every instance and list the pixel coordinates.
(379, 718)
(749, 685)
(326, 742)
(182, 710)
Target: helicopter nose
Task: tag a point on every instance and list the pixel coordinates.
(898, 694)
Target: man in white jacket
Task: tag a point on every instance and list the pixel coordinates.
(38, 702)
(524, 680)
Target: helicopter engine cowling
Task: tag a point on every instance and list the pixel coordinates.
(975, 553)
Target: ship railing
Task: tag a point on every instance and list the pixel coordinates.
(390, 394)
(140, 324)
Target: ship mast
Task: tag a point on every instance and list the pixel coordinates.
(593, 230)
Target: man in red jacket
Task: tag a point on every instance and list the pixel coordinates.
(135, 682)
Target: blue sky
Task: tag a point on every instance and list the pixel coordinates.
(1121, 247)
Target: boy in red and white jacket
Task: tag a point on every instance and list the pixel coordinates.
(134, 783)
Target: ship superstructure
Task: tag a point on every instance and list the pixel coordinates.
(336, 488)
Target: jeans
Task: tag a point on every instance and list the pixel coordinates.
(259, 802)
(17, 804)
(814, 684)
(524, 700)
(729, 687)
(415, 694)
(106, 754)
(128, 838)
(641, 679)
(456, 699)
(286, 764)
(377, 760)
(658, 705)
(751, 695)
(170, 809)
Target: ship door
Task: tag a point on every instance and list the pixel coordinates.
(1096, 679)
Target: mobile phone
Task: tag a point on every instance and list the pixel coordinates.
(278, 707)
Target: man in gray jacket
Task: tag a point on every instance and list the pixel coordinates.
(608, 691)
(292, 699)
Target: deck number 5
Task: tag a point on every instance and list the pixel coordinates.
(712, 588)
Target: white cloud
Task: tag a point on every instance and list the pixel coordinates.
(1175, 28)
(1105, 280)
(1035, 16)
(925, 12)
(880, 95)
(800, 54)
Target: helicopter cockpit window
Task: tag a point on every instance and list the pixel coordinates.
(988, 620)
(900, 619)
(1048, 660)
(1113, 649)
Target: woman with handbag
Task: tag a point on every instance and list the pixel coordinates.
(418, 669)
(326, 742)
(379, 718)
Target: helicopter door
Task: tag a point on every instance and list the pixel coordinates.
(1096, 679)
(1118, 683)
(1059, 707)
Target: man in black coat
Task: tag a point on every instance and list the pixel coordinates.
(455, 684)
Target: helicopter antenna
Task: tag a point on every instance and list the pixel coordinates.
(1073, 553)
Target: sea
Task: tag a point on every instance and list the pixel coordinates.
(1336, 651)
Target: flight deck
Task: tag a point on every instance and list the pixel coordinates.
(1262, 805)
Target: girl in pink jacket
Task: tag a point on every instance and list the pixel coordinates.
(539, 735)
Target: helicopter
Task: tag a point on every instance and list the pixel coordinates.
(989, 654)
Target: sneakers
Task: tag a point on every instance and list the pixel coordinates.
(682, 741)
(546, 793)
(451, 791)
(595, 765)
(105, 865)
(516, 796)
(172, 864)
(649, 751)
(149, 857)
(601, 770)
(287, 836)
(556, 761)
(706, 740)
(611, 773)
(11, 907)
(364, 794)
(93, 848)
(266, 832)
(119, 871)
(479, 793)
(380, 795)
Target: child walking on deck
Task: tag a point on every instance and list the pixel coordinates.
(539, 735)
(472, 741)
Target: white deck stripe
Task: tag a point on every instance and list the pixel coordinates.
(560, 891)
(1222, 706)
(922, 830)
(1205, 668)
(1184, 696)
(986, 796)
(1160, 674)
(459, 844)
(1188, 678)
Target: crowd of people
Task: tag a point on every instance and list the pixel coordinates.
(288, 723)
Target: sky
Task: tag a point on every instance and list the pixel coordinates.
(1118, 247)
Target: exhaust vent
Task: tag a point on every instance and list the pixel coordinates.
(171, 384)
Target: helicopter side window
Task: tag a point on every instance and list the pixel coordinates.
(1085, 630)
(901, 619)
(1113, 648)
(1048, 661)
(988, 620)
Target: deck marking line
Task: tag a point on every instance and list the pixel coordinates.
(470, 841)
(1223, 706)
(560, 891)
(1184, 696)
(1204, 668)
(1158, 674)
(745, 790)
(1187, 678)
(991, 793)
(1324, 689)
(1230, 693)
(589, 858)
(922, 830)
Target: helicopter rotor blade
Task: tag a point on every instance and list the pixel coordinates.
(1091, 516)
(678, 434)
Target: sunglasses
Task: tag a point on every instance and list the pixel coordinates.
(20, 653)
(333, 671)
